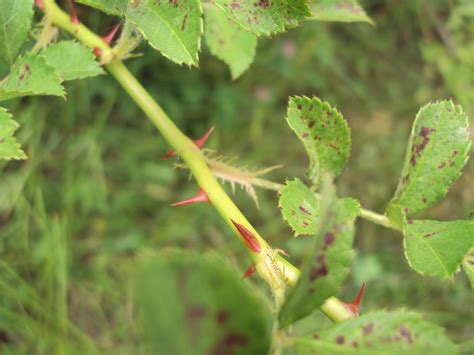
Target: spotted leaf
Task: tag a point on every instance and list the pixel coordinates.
(228, 41)
(31, 75)
(265, 17)
(437, 151)
(173, 27)
(437, 248)
(380, 332)
(324, 133)
(9, 148)
(194, 304)
(339, 11)
(300, 207)
(327, 263)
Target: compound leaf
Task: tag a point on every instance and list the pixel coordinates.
(324, 133)
(437, 152)
(112, 7)
(229, 42)
(15, 24)
(338, 10)
(173, 27)
(31, 75)
(300, 207)
(265, 17)
(379, 332)
(437, 248)
(328, 261)
(9, 148)
(195, 304)
(71, 60)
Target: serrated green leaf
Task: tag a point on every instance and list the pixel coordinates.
(15, 24)
(338, 10)
(300, 207)
(380, 332)
(31, 75)
(112, 7)
(327, 264)
(228, 41)
(437, 152)
(437, 248)
(71, 60)
(194, 304)
(468, 266)
(173, 27)
(9, 148)
(324, 133)
(265, 17)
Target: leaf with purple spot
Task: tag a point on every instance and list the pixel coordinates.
(437, 248)
(437, 151)
(324, 133)
(379, 332)
(327, 263)
(265, 17)
(190, 303)
(300, 207)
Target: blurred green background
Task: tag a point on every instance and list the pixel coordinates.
(94, 195)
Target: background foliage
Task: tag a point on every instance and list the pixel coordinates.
(93, 197)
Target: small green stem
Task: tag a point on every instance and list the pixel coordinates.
(277, 271)
(369, 215)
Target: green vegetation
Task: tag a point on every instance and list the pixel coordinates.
(92, 256)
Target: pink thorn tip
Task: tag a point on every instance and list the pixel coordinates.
(169, 154)
(110, 36)
(201, 196)
(40, 4)
(74, 18)
(354, 306)
(249, 272)
(97, 52)
(198, 142)
(250, 240)
(359, 296)
(201, 141)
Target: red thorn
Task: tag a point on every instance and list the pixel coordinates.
(97, 51)
(357, 300)
(74, 18)
(40, 4)
(201, 141)
(108, 38)
(201, 196)
(249, 272)
(198, 142)
(354, 306)
(249, 238)
(169, 154)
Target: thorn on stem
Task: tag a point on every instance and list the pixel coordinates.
(354, 306)
(40, 4)
(108, 38)
(74, 18)
(97, 52)
(201, 196)
(250, 240)
(249, 272)
(198, 142)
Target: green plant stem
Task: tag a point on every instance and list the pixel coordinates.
(369, 215)
(272, 267)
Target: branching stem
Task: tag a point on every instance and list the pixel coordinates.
(277, 271)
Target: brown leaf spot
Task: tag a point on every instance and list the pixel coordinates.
(340, 339)
(183, 24)
(227, 345)
(317, 272)
(222, 316)
(406, 334)
(367, 329)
